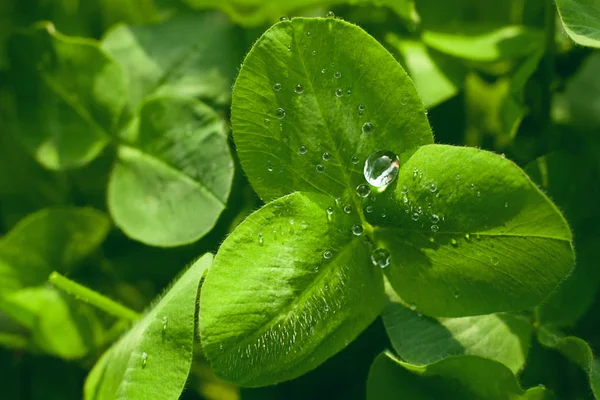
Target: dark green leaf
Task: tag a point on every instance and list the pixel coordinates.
(153, 359)
(173, 173)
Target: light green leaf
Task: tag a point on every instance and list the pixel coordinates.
(421, 340)
(349, 69)
(577, 351)
(173, 173)
(258, 12)
(190, 55)
(153, 359)
(484, 44)
(69, 95)
(437, 77)
(51, 239)
(469, 234)
(288, 289)
(457, 377)
(581, 19)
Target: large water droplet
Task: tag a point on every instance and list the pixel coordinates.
(381, 168)
(277, 87)
(326, 156)
(327, 255)
(299, 89)
(320, 168)
(280, 113)
(368, 128)
(302, 150)
(380, 257)
(363, 190)
(357, 229)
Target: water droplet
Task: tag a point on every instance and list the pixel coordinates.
(412, 307)
(260, 239)
(405, 98)
(291, 222)
(332, 65)
(435, 218)
(348, 209)
(415, 217)
(494, 261)
(363, 190)
(478, 193)
(467, 236)
(329, 210)
(454, 243)
(354, 160)
(361, 107)
(323, 70)
(289, 48)
(432, 187)
(357, 229)
(380, 257)
(369, 209)
(280, 113)
(313, 53)
(165, 320)
(267, 121)
(506, 205)
(348, 92)
(144, 359)
(456, 294)
(337, 74)
(381, 168)
(326, 156)
(434, 228)
(326, 308)
(368, 128)
(307, 34)
(302, 150)
(404, 189)
(339, 92)
(277, 87)
(320, 168)
(330, 14)
(270, 168)
(383, 214)
(299, 89)
(457, 177)
(472, 186)
(283, 18)
(327, 255)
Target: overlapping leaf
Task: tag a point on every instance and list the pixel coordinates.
(581, 19)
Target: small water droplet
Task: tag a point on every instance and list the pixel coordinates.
(456, 294)
(405, 98)
(313, 53)
(260, 239)
(270, 168)
(327, 255)
(454, 243)
(363, 190)
(404, 190)
(368, 128)
(357, 229)
(298, 89)
(283, 18)
(337, 74)
(302, 150)
(291, 222)
(467, 236)
(435, 218)
(267, 121)
(380, 257)
(472, 186)
(434, 228)
(457, 177)
(326, 308)
(330, 14)
(415, 217)
(289, 48)
(412, 307)
(165, 320)
(280, 113)
(323, 70)
(361, 107)
(339, 92)
(478, 193)
(307, 34)
(144, 359)
(277, 87)
(432, 187)
(329, 210)
(320, 168)
(326, 156)
(383, 214)
(348, 92)
(494, 261)
(369, 209)
(354, 160)
(348, 209)
(506, 205)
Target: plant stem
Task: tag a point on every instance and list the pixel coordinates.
(547, 78)
(91, 297)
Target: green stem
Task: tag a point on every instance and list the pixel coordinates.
(547, 78)
(91, 297)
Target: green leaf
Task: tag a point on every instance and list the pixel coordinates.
(483, 44)
(153, 359)
(456, 377)
(581, 19)
(258, 12)
(190, 55)
(288, 289)
(358, 69)
(69, 95)
(51, 239)
(173, 174)
(577, 351)
(469, 234)
(437, 77)
(421, 340)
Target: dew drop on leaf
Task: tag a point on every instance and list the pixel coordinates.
(326, 156)
(337, 74)
(432, 187)
(330, 14)
(280, 113)
(415, 217)
(357, 229)
(165, 319)
(320, 168)
(412, 307)
(260, 239)
(361, 107)
(144, 359)
(506, 205)
(467, 236)
(457, 177)
(323, 70)
(327, 255)
(363, 190)
(307, 34)
(454, 243)
(368, 128)
(277, 87)
(381, 168)
(326, 308)
(435, 218)
(434, 228)
(494, 261)
(456, 294)
(380, 257)
(369, 209)
(348, 209)
(354, 160)
(267, 121)
(283, 19)
(339, 92)
(302, 150)
(313, 53)
(329, 210)
(299, 89)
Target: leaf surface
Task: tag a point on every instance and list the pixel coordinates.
(581, 19)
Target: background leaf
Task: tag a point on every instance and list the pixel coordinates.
(153, 359)
(173, 173)
(581, 19)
